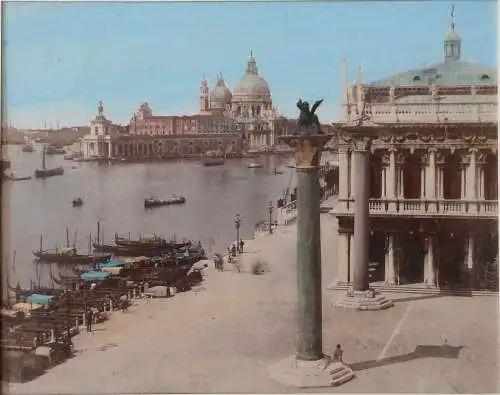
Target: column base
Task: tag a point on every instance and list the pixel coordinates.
(364, 300)
(309, 374)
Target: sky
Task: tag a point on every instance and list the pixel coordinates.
(60, 59)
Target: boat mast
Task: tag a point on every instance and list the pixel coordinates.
(67, 237)
(43, 158)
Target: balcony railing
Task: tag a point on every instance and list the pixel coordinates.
(429, 112)
(418, 207)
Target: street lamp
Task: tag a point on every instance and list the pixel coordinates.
(237, 223)
(271, 208)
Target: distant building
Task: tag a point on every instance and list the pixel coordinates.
(247, 109)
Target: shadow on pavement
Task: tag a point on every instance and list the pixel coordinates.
(421, 351)
(433, 296)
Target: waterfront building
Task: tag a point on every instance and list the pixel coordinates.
(97, 144)
(247, 109)
(430, 135)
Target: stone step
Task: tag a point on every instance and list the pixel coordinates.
(415, 289)
(340, 374)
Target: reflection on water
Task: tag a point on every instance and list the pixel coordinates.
(114, 195)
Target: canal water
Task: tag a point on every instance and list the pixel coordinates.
(114, 195)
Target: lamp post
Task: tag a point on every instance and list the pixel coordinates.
(237, 224)
(270, 208)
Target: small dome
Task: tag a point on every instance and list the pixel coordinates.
(252, 84)
(220, 95)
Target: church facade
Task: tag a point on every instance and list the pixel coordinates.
(430, 138)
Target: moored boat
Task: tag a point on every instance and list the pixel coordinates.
(44, 172)
(255, 165)
(211, 158)
(55, 150)
(69, 255)
(27, 148)
(153, 202)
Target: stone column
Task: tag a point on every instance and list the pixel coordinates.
(401, 189)
(308, 367)
(351, 257)
(307, 156)
(360, 296)
(390, 274)
(470, 252)
(422, 182)
(471, 190)
(430, 189)
(384, 182)
(429, 272)
(352, 176)
(361, 216)
(342, 257)
(343, 178)
(391, 180)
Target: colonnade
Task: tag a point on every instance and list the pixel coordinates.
(432, 177)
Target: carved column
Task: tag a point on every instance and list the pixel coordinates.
(343, 178)
(480, 162)
(471, 189)
(390, 274)
(307, 151)
(361, 215)
(440, 161)
(400, 159)
(352, 175)
(391, 190)
(429, 271)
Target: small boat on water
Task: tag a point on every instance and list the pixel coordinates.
(211, 158)
(77, 202)
(277, 172)
(255, 165)
(153, 202)
(27, 148)
(13, 177)
(55, 150)
(44, 172)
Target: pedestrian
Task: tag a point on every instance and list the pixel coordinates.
(242, 243)
(233, 250)
(338, 354)
(90, 316)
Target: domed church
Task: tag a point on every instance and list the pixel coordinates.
(249, 105)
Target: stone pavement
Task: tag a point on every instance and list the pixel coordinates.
(223, 337)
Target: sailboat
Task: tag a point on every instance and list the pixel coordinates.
(44, 172)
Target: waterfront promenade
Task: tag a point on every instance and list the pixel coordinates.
(223, 336)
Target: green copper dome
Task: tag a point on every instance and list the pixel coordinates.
(452, 71)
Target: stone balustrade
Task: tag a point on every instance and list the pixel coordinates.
(426, 112)
(418, 207)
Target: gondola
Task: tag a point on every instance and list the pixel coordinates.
(153, 202)
(142, 242)
(69, 256)
(130, 251)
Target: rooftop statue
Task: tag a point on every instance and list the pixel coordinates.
(308, 122)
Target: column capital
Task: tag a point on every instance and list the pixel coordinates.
(362, 144)
(473, 150)
(307, 149)
(481, 157)
(432, 149)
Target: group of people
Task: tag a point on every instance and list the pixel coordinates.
(232, 251)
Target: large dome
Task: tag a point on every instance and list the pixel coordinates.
(252, 85)
(451, 71)
(221, 94)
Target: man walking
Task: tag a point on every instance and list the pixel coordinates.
(242, 243)
(90, 316)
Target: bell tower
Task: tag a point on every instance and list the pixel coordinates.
(204, 96)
